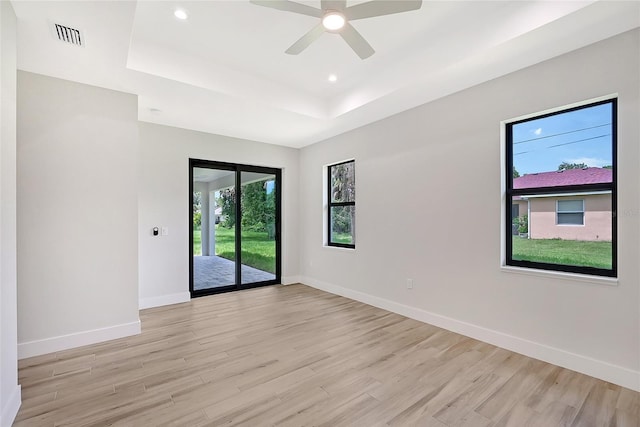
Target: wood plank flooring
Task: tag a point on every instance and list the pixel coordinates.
(296, 356)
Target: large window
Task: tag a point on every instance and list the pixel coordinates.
(342, 204)
(561, 190)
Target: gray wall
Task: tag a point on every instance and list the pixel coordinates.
(429, 207)
(78, 214)
(9, 388)
(164, 201)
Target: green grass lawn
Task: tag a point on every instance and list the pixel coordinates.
(258, 251)
(197, 242)
(341, 238)
(568, 252)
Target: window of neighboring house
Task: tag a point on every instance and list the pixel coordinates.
(515, 210)
(570, 212)
(342, 204)
(563, 162)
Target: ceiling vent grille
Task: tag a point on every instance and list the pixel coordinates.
(68, 35)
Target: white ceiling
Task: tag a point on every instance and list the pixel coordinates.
(224, 70)
(209, 175)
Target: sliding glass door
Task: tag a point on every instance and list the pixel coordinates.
(235, 226)
(258, 227)
(213, 234)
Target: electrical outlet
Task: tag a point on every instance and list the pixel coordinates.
(409, 283)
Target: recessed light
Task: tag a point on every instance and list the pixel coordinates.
(333, 21)
(181, 14)
(332, 78)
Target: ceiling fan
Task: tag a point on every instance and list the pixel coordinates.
(335, 17)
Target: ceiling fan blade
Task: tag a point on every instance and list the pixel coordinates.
(289, 6)
(306, 40)
(356, 41)
(333, 4)
(380, 8)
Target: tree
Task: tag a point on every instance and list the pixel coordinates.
(197, 201)
(197, 212)
(197, 220)
(523, 224)
(227, 201)
(566, 166)
(343, 186)
(271, 212)
(516, 174)
(343, 189)
(258, 207)
(254, 206)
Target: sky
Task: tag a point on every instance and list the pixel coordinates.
(580, 136)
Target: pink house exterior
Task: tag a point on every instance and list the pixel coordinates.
(579, 216)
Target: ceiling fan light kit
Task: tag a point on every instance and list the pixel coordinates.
(335, 18)
(333, 21)
(181, 14)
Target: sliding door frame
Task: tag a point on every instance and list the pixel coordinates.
(237, 169)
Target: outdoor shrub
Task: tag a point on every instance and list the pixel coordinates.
(523, 224)
(197, 220)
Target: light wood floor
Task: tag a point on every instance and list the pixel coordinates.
(296, 356)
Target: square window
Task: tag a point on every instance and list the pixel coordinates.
(341, 224)
(570, 212)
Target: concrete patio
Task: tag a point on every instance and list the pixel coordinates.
(214, 272)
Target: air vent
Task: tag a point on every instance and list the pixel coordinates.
(68, 34)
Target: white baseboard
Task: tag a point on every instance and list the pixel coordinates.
(290, 280)
(10, 409)
(78, 339)
(596, 368)
(161, 300)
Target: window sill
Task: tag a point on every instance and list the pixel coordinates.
(340, 248)
(572, 277)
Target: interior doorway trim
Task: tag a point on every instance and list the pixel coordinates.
(237, 170)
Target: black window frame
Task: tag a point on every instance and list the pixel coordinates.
(331, 204)
(563, 190)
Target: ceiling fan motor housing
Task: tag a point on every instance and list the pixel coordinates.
(334, 18)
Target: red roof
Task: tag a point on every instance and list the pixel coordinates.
(566, 177)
